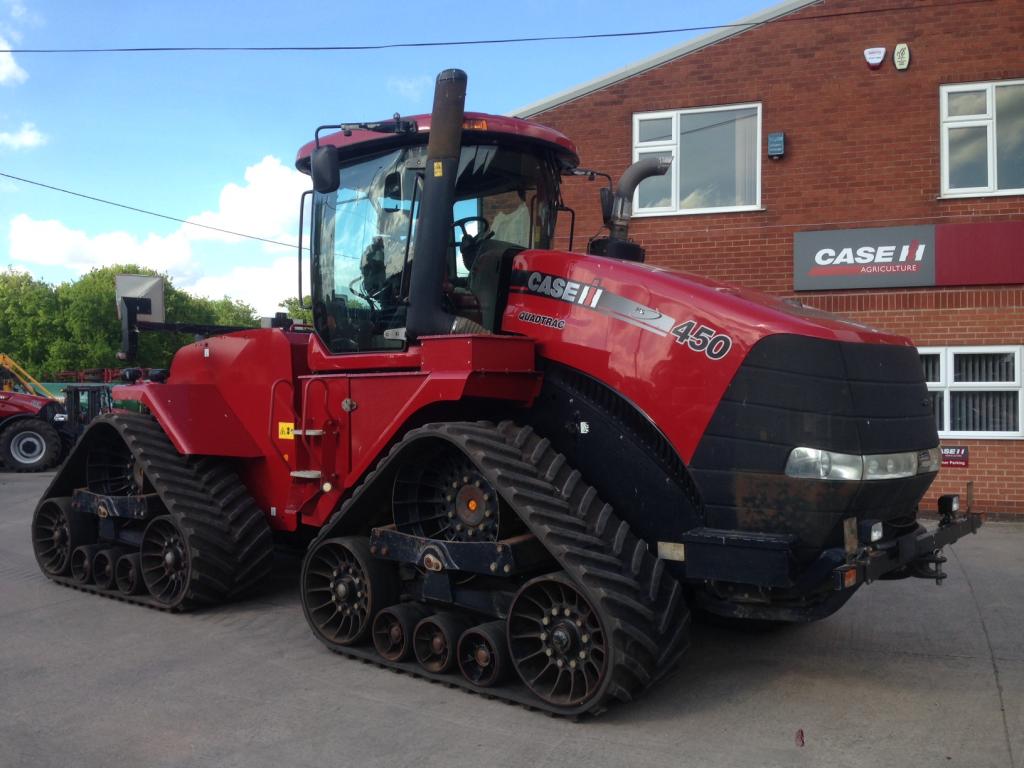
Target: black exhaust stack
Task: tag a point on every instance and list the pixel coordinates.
(618, 210)
(427, 316)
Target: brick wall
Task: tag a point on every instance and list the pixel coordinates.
(862, 150)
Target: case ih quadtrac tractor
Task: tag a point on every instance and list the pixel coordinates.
(516, 468)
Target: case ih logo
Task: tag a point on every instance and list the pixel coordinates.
(864, 258)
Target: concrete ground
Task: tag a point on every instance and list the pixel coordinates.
(907, 674)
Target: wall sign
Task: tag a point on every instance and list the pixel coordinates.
(984, 253)
(864, 258)
(776, 145)
(954, 455)
(901, 56)
(874, 57)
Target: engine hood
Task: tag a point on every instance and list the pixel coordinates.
(668, 341)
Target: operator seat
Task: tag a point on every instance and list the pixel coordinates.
(490, 267)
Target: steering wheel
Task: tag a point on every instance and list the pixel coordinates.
(470, 243)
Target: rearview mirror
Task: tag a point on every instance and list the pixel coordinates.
(392, 201)
(323, 167)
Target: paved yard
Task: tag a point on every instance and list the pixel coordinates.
(907, 674)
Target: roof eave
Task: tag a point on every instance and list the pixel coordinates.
(678, 51)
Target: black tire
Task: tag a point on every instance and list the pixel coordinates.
(30, 445)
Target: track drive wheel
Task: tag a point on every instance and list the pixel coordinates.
(558, 644)
(56, 531)
(166, 564)
(343, 588)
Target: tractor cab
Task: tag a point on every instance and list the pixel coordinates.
(363, 231)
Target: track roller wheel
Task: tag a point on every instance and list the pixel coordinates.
(343, 587)
(166, 567)
(81, 562)
(393, 629)
(103, 566)
(483, 654)
(56, 531)
(558, 644)
(128, 575)
(436, 640)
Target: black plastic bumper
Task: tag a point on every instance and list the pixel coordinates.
(913, 554)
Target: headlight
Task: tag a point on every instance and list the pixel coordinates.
(930, 460)
(890, 466)
(828, 465)
(824, 465)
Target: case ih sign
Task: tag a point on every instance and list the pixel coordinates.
(902, 257)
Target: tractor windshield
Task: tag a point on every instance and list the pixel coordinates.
(363, 234)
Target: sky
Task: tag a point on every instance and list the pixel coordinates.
(212, 137)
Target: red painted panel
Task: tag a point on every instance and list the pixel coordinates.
(196, 418)
(616, 325)
(988, 253)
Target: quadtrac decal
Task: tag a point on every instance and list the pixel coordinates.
(593, 297)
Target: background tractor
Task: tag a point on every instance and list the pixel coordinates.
(513, 468)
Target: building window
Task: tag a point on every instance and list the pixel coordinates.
(974, 391)
(716, 160)
(983, 139)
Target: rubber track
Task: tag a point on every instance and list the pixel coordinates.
(641, 606)
(230, 544)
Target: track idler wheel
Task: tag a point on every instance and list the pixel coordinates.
(436, 639)
(56, 531)
(558, 644)
(393, 629)
(343, 588)
(103, 563)
(81, 562)
(128, 575)
(483, 654)
(166, 567)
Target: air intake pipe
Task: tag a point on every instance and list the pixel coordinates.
(427, 316)
(617, 209)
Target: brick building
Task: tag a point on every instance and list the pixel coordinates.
(894, 195)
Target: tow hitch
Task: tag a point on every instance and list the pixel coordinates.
(917, 554)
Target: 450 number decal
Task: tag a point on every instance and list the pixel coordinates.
(701, 338)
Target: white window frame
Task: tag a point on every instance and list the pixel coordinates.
(989, 120)
(671, 145)
(946, 385)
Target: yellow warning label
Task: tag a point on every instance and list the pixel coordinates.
(286, 430)
(438, 169)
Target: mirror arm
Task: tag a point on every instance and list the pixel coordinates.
(302, 211)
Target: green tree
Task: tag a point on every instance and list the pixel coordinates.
(29, 319)
(300, 313)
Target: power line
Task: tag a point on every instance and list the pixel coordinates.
(495, 41)
(143, 210)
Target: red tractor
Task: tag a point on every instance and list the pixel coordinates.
(33, 424)
(516, 468)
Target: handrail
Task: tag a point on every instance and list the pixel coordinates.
(270, 414)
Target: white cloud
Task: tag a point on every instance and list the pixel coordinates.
(266, 205)
(26, 138)
(10, 72)
(410, 88)
(261, 286)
